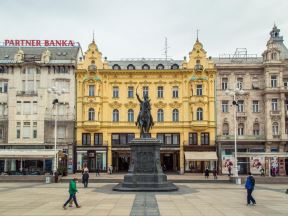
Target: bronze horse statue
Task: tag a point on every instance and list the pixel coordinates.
(144, 119)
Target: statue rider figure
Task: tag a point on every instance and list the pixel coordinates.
(144, 119)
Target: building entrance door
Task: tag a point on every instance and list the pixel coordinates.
(167, 162)
(123, 163)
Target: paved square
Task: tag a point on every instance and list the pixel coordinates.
(99, 199)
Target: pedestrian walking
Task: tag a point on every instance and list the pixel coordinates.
(110, 169)
(85, 178)
(98, 171)
(249, 185)
(215, 173)
(206, 173)
(262, 172)
(72, 193)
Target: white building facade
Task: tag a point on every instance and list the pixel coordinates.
(27, 114)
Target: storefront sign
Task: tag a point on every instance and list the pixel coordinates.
(40, 43)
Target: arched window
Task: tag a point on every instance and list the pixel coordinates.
(131, 67)
(225, 129)
(160, 67)
(160, 115)
(115, 115)
(241, 129)
(145, 67)
(91, 114)
(175, 115)
(130, 115)
(256, 129)
(275, 128)
(175, 67)
(116, 67)
(199, 114)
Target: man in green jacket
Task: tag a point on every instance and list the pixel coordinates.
(72, 191)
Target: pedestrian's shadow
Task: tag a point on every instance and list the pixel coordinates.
(108, 189)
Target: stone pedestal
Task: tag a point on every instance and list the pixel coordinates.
(145, 171)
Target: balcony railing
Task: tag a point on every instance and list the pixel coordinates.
(26, 93)
(59, 140)
(51, 117)
(241, 138)
(275, 112)
(241, 114)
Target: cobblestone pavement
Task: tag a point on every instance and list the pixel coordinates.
(98, 199)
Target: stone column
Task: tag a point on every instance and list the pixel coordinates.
(182, 162)
(6, 165)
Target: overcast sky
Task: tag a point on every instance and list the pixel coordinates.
(137, 28)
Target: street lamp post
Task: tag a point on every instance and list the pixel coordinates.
(57, 93)
(233, 93)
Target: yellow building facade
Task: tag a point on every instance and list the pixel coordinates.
(182, 97)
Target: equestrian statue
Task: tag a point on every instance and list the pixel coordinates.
(144, 119)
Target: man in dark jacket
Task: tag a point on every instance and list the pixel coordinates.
(72, 192)
(85, 178)
(249, 185)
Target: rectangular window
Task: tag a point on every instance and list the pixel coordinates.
(98, 139)
(240, 83)
(225, 106)
(115, 92)
(255, 131)
(91, 90)
(145, 90)
(255, 106)
(18, 130)
(199, 90)
(18, 108)
(204, 138)
(285, 82)
(122, 138)
(86, 139)
(168, 139)
(26, 130)
(224, 83)
(30, 85)
(1, 133)
(27, 108)
(274, 104)
(61, 132)
(175, 92)
(240, 107)
(62, 84)
(35, 107)
(3, 86)
(193, 140)
(130, 92)
(160, 91)
(115, 139)
(273, 81)
(160, 137)
(34, 130)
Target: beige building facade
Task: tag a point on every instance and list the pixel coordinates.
(261, 118)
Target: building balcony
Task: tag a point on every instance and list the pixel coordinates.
(59, 140)
(275, 112)
(26, 93)
(276, 136)
(51, 117)
(91, 99)
(241, 115)
(241, 138)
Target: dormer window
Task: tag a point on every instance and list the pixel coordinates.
(116, 67)
(198, 66)
(274, 56)
(130, 67)
(160, 67)
(175, 67)
(145, 67)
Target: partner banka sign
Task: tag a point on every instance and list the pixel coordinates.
(40, 43)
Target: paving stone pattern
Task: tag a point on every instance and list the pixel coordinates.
(32, 199)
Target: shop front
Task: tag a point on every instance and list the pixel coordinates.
(197, 162)
(95, 158)
(169, 160)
